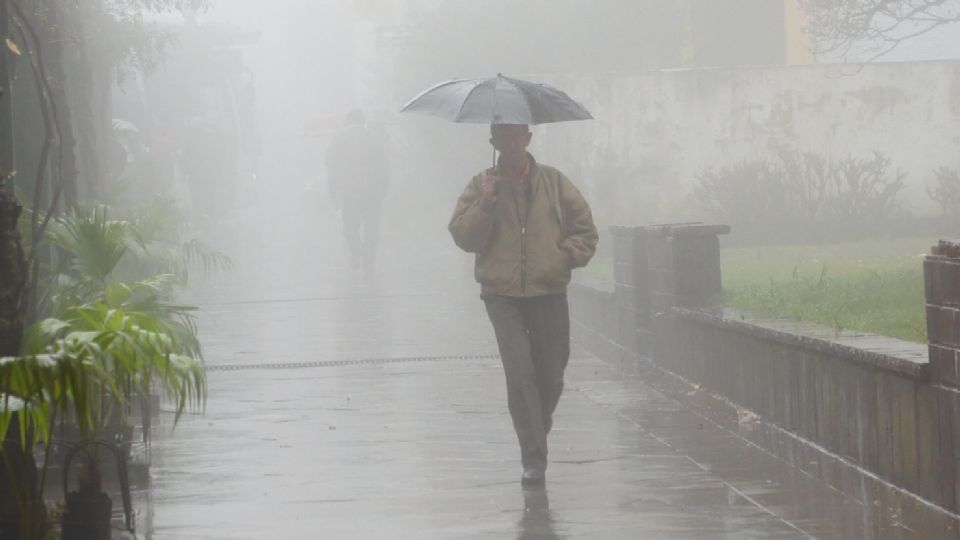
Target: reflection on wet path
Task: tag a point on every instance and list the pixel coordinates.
(425, 450)
(536, 523)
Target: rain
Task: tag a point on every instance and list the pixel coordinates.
(444, 269)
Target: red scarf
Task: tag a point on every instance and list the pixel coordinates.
(523, 176)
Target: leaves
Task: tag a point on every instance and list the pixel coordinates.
(106, 339)
(124, 260)
(97, 352)
(95, 242)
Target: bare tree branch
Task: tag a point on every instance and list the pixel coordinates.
(875, 27)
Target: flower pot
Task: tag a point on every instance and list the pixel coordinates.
(87, 516)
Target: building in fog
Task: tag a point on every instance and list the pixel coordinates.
(403, 45)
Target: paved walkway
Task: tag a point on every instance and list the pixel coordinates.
(421, 446)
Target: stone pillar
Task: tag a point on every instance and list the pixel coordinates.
(658, 267)
(695, 251)
(941, 276)
(683, 265)
(630, 291)
(684, 270)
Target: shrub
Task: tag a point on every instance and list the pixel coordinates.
(748, 192)
(802, 196)
(864, 191)
(946, 193)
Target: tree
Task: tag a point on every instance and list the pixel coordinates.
(873, 27)
(71, 51)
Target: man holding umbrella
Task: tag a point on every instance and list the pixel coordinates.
(528, 227)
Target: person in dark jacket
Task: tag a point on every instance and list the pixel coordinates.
(358, 173)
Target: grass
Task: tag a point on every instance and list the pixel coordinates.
(600, 268)
(870, 286)
(874, 286)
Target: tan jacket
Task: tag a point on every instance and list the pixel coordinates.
(526, 247)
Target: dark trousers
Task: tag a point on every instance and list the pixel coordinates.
(361, 227)
(533, 335)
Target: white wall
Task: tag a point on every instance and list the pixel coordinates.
(655, 131)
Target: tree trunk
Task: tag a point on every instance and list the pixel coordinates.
(6, 109)
(22, 513)
(58, 47)
(13, 273)
(90, 76)
(22, 510)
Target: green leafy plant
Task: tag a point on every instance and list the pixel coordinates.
(110, 330)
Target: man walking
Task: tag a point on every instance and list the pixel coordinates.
(528, 227)
(358, 173)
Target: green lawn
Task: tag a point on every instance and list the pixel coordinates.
(872, 286)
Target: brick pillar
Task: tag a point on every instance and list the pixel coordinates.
(659, 267)
(696, 263)
(684, 270)
(941, 276)
(683, 265)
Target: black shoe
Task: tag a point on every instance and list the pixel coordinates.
(532, 477)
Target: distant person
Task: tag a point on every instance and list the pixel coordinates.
(358, 173)
(208, 162)
(198, 163)
(528, 226)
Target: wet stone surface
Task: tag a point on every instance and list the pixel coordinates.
(425, 450)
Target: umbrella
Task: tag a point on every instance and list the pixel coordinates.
(497, 100)
(122, 127)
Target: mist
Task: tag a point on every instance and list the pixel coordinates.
(347, 269)
(710, 86)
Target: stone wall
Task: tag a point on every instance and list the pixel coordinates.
(888, 406)
(863, 398)
(655, 131)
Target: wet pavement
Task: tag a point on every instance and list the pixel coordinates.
(344, 406)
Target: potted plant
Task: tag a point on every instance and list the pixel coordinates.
(106, 342)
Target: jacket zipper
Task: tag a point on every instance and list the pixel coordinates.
(523, 239)
(523, 260)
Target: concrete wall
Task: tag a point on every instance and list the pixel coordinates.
(869, 403)
(888, 406)
(655, 131)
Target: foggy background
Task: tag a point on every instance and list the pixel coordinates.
(705, 110)
(677, 88)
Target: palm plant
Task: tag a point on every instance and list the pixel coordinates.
(106, 340)
(100, 250)
(158, 246)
